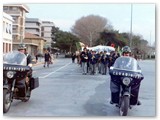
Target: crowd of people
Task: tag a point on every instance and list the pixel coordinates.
(96, 62)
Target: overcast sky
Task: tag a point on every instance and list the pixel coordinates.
(119, 16)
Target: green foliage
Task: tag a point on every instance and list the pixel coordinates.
(65, 41)
(111, 37)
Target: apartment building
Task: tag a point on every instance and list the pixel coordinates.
(46, 32)
(33, 25)
(18, 13)
(7, 33)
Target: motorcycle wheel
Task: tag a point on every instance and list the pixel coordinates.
(6, 100)
(124, 106)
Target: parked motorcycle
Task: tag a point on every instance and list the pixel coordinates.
(17, 79)
(127, 75)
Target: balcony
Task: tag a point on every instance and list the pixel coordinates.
(19, 13)
(33, 26)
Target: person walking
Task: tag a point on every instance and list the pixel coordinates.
(73, 57)
(104, 63)
(93, 61)
(84, 59)
(47, 58)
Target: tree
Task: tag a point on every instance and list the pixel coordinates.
(54, 31)
(88, 28)
(111, 37)
(66, 41)
(139, 45)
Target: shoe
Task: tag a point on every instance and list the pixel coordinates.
(139, 102)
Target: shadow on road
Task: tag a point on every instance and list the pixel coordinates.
(98, 104)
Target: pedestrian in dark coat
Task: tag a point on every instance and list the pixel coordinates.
(47, 58)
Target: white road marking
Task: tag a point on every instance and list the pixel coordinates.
(55, 71)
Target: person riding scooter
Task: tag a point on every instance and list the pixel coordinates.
(115, 87)
(23, 49)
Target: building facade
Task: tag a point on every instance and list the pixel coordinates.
(33, 25)
(35, 44)
(7, 33)
(18, 13)
(46, 32)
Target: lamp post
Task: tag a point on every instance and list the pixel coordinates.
(90, 36)
(150, 39)
(131, 27)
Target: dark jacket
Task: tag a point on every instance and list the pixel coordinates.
(105, 59)
(47, 56)
(29, 59)
(93, 59)
(83, 57)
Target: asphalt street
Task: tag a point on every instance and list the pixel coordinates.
(64, 91)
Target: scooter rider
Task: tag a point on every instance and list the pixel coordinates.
(22, 48)
(115, 87)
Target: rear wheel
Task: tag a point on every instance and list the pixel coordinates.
(124, 106)
(6, 100)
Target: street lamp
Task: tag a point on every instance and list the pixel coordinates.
(90, 36)
(131, 27)
(150, 39)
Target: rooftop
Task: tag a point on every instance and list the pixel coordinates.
(32, 36)
(25, 7)
(33, 20)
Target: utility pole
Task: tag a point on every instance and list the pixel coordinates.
(131, 27)
(90, 36)
(150, 39)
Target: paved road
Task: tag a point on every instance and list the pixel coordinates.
(64, 91)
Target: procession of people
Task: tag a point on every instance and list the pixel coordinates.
(93, 62)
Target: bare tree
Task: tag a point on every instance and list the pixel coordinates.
(88, 28)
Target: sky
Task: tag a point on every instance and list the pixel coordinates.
(64, 15)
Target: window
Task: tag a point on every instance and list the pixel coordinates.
(14, 8)
(42, 34)
(3, 26)
(7, 28)
(10, 29)
(9, 47)
(5, 8)
(14, 37)
(42, 29)
(6, 47)
(10, 8)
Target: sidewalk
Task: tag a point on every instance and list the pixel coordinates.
(40, 61)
